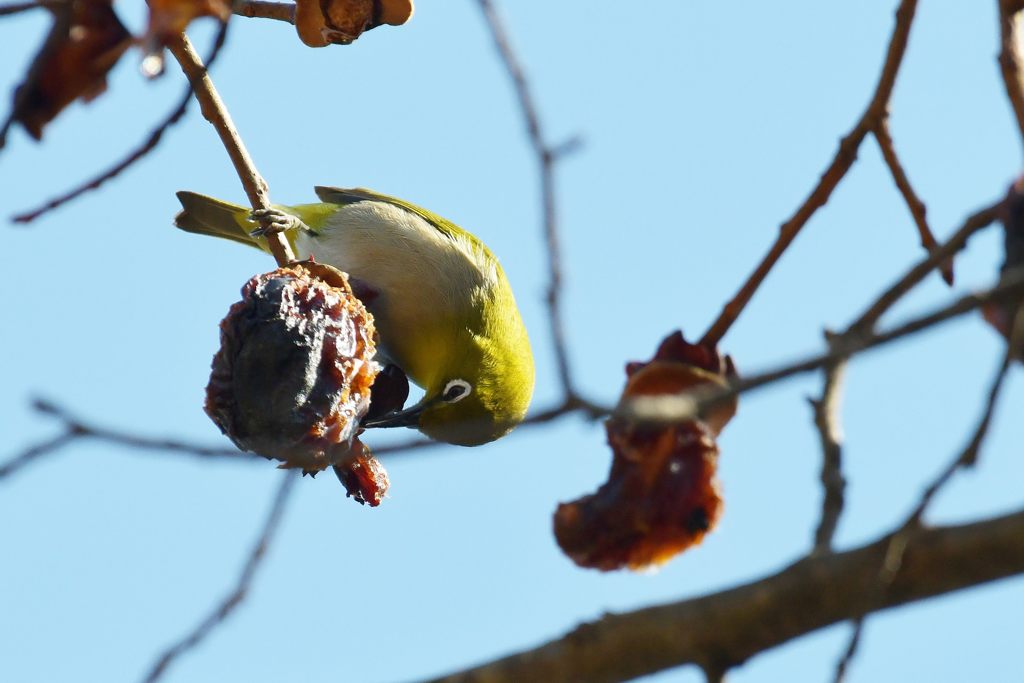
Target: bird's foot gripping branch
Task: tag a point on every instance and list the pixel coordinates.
(292, 379)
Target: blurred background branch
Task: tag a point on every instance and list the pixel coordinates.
(720, 630)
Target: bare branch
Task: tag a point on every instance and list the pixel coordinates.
(262, 9)
(826, 418)
(975, 222)
(145, 148)
(217, 114)
(36, 451)
(851, 650)
(547, 156)
(18, 7)
(969, 456)
(728, 628)
(230, 602)
(77, 429)
(692, 404)
(836, 171)
(142, 150)
(918, 211)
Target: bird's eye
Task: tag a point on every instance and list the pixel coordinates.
(455, 391)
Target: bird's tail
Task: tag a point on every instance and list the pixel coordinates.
(208, 216)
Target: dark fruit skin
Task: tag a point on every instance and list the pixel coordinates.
(292, 377)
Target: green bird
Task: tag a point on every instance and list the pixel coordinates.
(443, 308)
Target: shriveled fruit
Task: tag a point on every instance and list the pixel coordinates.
(292, 377)
(662, 494)
(85, 42)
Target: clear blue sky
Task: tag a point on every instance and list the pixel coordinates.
(704, 125)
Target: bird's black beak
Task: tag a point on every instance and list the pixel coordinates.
(410, 417)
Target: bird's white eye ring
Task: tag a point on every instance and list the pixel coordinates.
(456, 390)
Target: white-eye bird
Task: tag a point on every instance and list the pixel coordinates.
(443, 308)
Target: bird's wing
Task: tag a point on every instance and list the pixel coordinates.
(344, 196)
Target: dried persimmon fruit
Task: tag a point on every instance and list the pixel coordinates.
(84, 43)
(662, 495)
(292, 377)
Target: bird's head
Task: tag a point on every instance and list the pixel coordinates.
(480, 393)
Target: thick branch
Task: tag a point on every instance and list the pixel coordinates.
(836, 171)
(727, 628)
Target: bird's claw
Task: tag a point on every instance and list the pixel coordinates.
(273, 222)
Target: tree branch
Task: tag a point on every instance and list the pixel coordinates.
(975, 222)
(851, 650)
(836, 171)
(217, 114)
(19, 7)
(230, 602)
(148, 145)
(826, 418)
(547, 156)
(726, 629)
(969, 456)
(36, 451)
(918, 211)
(688, 405)
(77, 429)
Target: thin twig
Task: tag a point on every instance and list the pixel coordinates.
(217, 114)
(851, 650)
(918, 211)
(1009, 57)
(18, 7)
(826, 418)
(261, 9)
(145, 148)
(894, 557)
(547, 156)
(975, 222)
(669, 408)
(77, 428)
(969, 456)
(36, 451)
(235, 598)
(714, 674)
(836, 171)
(734, 625)
(85, 430)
